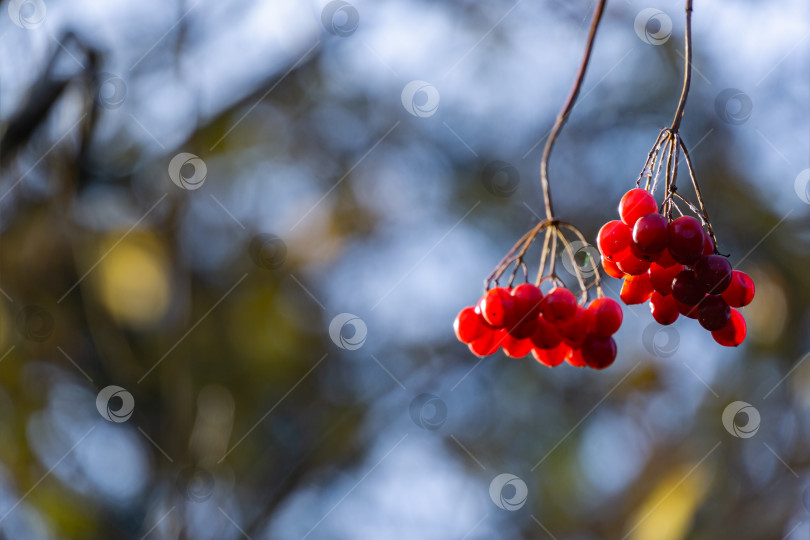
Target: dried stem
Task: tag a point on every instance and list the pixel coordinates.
(687, 70)
(566, 110)
(543, 257)
(552, 226)
(704, 213)
(649, 164)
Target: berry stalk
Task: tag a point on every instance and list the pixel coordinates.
(687, 69)
(566, 109)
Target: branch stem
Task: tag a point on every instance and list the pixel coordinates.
(687, 70)
(566, 110)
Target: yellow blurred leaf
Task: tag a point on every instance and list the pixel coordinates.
(668, 510)
(133, 279)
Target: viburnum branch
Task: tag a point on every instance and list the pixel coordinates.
(687, 70)
(566, 109)
(703, 212)
(691, 206)
(543, 257)
(597, 278)
(674, 153)
(649, 164)
(577, 270)
(553, 257)
(658, 162)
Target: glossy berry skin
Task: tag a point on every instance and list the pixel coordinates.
(611, 268)
(497, 307)
(666, 259)
(661, 277)
(527, 298)
(713, 273)
(516, 348)
(741, 290)
(524, 329)
(606, 317)
(651, 233)
(545, 335)
(685, 238)
(469, 325)
(613, 238)
(559, 305)
(733, 333)
(574, 357)
(551, 357)
(488, 343)
(598, 352)
(689, 260)
(686, 289)
(573, 330)
(635, 204)
(713, 313)
(708, 245)
(663, 309)
(685, 309)
(636, 289)
(648, 256)
(632, 265)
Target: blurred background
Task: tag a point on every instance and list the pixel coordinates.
(235, 236)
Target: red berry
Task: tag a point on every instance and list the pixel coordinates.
(741, 290)
(650, 233)
(708, 245)
(685, 309)
(636, 203)
(551, 357)
(666, 259)
(636, 289)
(573, 330)
(713, 312)
(686, 289)
(545, 335)
(488, 343)
(527, 298)
(523, 330)
(661, 277)
(516, 348)
(611, 269)
(613, 238)
(687, 260)
(606, 317)
(598, 352)
(648, 256)
(574, 357)
(733, 333)
(685, 238)
(632, 265)
(663, 308)
(497, 307)
(469, 325)
(713, 272)
(559, 305)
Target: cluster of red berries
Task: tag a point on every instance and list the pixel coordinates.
(674, 265)
(551, 327)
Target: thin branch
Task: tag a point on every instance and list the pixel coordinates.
(649, 163)
(569, 104)
(687, 69)
(688, 160)
(583, 291)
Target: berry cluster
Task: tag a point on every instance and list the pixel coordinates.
(552, 327)
(673, 264)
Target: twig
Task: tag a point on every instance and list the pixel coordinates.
(569, 104)
(687, 70)
(705, 214)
